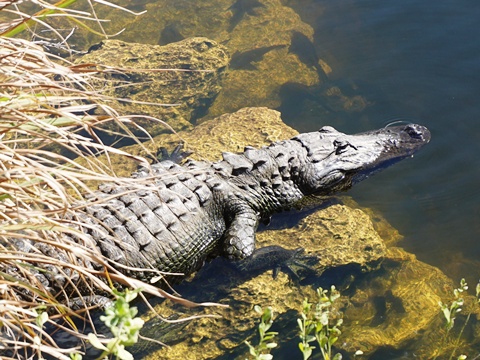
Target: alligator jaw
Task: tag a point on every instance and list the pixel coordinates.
(337, 161)
(398, 143)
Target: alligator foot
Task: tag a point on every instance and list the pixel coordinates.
(176, 156)
(278, 259)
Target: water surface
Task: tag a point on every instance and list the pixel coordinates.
(418, 61)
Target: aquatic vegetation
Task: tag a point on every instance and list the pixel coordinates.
(450, 312)
(262, 350)
(317, 323)
(121, 319)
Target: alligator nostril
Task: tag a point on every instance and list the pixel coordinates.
(414, 131)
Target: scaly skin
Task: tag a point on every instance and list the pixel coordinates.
(188, 214)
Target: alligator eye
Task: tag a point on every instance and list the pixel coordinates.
(340, 146)
(326, 129)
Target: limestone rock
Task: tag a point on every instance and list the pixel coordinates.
(272, 49)
(185, 77)
(338, 235)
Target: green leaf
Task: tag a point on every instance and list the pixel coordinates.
(446, 313)
(96, 343)
(265, 357)
(42, 318)
(123, 354)
(310, 338)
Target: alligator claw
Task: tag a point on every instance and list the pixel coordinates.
(298, 261)
(279, 259)
(177, 155)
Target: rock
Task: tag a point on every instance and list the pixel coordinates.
(254, 126)
(338, 235)
(393, 309)
(190, 81)
(272, 49)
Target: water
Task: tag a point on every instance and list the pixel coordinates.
(419, 61)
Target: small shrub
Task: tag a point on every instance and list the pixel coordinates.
(316, 324)
(265, 343)
(121, 319)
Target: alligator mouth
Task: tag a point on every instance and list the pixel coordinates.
(399, 143)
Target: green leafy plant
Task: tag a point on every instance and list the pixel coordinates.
(121, 319)
(451, 310)
(316, 324)
(265, 343)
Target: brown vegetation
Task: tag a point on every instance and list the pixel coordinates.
(45, 107)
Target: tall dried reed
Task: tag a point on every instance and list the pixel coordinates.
(45, 107)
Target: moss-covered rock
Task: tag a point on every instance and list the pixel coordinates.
(175, 83)
(274, 54)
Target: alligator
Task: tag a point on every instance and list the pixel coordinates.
(188, 213)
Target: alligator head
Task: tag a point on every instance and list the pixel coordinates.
(336, 161)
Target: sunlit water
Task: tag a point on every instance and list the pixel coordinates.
(418, 61)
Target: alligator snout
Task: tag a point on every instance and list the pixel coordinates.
(417, 132)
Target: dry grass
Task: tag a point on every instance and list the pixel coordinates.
(45, 103)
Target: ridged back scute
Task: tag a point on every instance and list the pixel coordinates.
(240, 164)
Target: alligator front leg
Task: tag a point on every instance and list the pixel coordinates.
(240, 246)
(240, 235)
(277, 258)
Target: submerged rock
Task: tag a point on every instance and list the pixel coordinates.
(338, 235)
(271, 45)
(182, 78)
